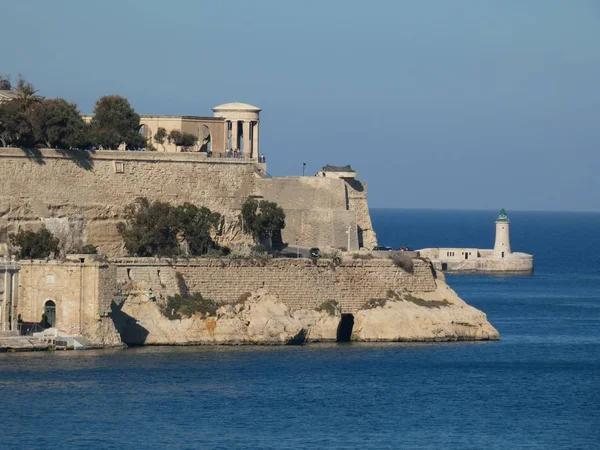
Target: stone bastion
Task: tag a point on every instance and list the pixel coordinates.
(89, 191)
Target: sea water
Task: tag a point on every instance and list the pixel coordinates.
(536, 388)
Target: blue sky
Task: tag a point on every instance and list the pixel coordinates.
(466, 104)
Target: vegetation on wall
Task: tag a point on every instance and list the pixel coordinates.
(35, 244)
(264, 220)
(179, 306)
(329, 306)
(161, 229)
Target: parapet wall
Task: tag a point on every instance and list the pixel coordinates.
(299, 283)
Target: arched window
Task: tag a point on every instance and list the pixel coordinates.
(49, 316)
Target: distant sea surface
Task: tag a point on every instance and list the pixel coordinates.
(536, 388)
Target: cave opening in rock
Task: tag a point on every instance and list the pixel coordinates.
(344, 331)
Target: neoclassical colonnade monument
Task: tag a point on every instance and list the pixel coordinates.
(241, 127)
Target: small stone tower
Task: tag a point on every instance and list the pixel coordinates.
(502, 245)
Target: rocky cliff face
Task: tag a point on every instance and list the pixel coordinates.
(263, 319)
(433, 316)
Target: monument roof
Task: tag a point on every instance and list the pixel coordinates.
(236, 106)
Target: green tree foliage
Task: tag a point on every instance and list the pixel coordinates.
(115, 122)
(264, 220)
(5, 83)
(160, 136)
(16, 126)
(35, 244)
(27, 96)
(158, 229)
(150, 229)
(196, 225)
(59, 124)
(182, 139)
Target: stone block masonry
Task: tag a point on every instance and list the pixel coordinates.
(298, 283)
(96, 187)
(92, 189)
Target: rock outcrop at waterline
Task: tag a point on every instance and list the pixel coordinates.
(432, 316)
(264, 320)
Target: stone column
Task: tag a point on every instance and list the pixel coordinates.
(225, 139)
(246, 134)
(255, 140)
(234, 135)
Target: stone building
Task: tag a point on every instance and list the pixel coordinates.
(500, 259)
(6, 96)
(233, 131)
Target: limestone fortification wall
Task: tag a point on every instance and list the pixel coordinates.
(47, 183)
(319, 210)
(94, 188)
(298, 283)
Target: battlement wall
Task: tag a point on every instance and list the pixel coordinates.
(299, 283)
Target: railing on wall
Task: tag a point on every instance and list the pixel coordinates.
(28, 328)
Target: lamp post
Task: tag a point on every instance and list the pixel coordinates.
(297, 249)
(303, 168)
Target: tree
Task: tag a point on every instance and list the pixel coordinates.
(264, 220)
(16, 127)
(5, 83)
(160, 229)
(26, 94)
(196, 225)
(115, 122)
(150, 229)
(59, 124)
(160, 136)
(35, 244)
(182, 139)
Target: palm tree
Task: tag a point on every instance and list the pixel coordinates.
(27, 94)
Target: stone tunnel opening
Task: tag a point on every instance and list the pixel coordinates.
(344, 331)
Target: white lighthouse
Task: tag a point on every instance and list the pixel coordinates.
(502, 244)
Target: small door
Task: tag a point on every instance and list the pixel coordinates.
(466, 255)
(49, 319)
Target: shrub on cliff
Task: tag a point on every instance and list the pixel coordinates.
(160, 229)
(35, 244)
(186, 306)
(329, 306)
(150, 229)
(264, 220)
(403, 260)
